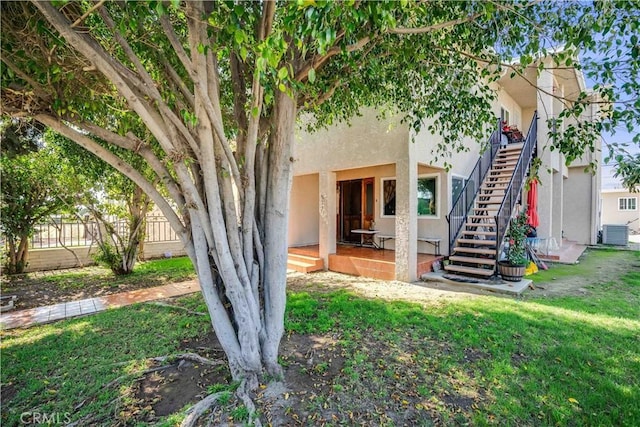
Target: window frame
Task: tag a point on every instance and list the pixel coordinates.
(627, 201)
(464, 180)
(438, 196)
(505, 113)
(438, 189)
(382, 181)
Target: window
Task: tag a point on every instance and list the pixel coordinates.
(427, 196)
(457, 184)
(504, 115)
(627, 203)
(388, 197)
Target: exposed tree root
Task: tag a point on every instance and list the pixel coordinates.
(191, 357)
(172, 359)
(135, 374)
(197, 410)
(243, 393)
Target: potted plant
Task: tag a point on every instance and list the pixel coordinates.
(512, 269)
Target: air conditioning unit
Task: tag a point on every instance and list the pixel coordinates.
(615, 234)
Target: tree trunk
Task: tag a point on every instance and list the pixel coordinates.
(18, 255)
(276, 223)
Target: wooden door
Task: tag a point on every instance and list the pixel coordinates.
(350, 210)
(356, 209)
(368, 203)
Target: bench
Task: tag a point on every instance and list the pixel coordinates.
(435, 241)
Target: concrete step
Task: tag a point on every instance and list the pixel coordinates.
(304, 264)
(469, 270)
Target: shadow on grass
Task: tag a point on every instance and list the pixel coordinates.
(479, 361)
(528, 363)
(63, 367)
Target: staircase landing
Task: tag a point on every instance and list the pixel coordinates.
(496, 286)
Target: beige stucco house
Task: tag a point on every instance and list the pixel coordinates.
(377, 174)
(620, 207)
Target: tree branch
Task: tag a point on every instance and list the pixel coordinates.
(105, 63)
(434, 27)
(316, 63)
(120, 165)
(37, 88)
(87, 13)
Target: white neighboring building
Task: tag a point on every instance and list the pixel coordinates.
(621, 207)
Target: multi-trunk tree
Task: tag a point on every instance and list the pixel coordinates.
(219, 86)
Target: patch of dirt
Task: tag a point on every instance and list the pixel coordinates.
(604, 270)
(311, 363)
(419, 292)
(170, 390)
(45, 288)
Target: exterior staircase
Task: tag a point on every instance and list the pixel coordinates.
(475, 248)
(480, 216)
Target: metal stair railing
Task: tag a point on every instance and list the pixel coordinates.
(462, 204)
(518, 179)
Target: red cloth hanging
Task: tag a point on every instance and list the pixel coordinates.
(532, 204)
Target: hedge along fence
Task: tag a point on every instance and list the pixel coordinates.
(66, 244)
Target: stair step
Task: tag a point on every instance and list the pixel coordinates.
(493, 192)
(478, 233)
(477, 242)
(489, 200)
(304, 264)
(497, 192)
(502, 165)
(498, 172)
(511, 147)
(469, 270)
(472, 260)
(485, 212)
(510, 155)
(479, 217)
(480, 224)
(481, 251)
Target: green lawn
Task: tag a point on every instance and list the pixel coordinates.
(158, 271)
(571, 360)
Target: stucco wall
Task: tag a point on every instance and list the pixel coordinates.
(304, 214)
(58, 258)
(515, 111)
(577, 221)
(368, 141)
